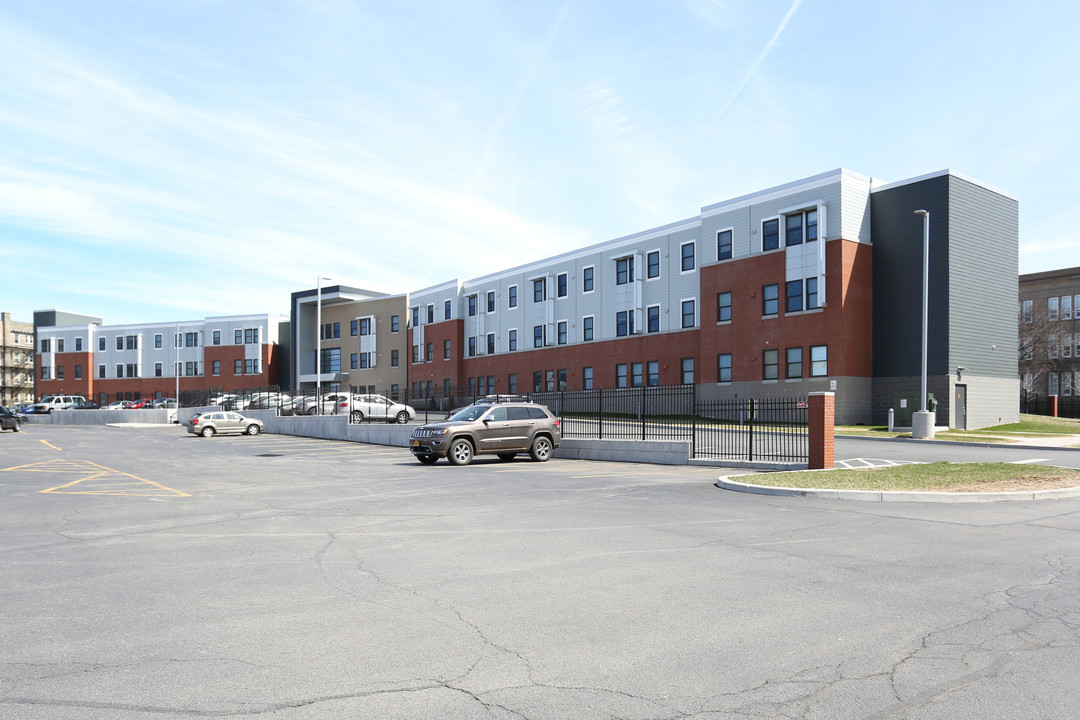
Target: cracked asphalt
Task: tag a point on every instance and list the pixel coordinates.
(147, 573)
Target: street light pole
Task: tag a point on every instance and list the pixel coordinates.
(923, 427)
(318, 346)
(176, 340)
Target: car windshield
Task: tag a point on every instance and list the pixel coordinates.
(470, 413)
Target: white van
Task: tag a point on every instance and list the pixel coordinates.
(56, 402)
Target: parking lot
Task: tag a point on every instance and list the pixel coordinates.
(149, 573)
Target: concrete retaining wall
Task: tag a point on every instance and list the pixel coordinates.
(658, 452)
(101, 417)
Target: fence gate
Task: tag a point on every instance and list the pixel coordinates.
(770, 429)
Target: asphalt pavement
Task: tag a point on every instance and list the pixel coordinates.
(148, 573)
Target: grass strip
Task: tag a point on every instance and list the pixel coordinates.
(930, 477)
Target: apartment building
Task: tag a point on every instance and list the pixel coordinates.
(359, 335)
(1048, 316)
(16, 361)
(814, 285)
(128, 362)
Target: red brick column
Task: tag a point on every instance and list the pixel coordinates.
(821, 413)
(1053, 405)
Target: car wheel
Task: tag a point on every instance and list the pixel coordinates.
(403, 417)
(356, 417)
(252, 429)
(507, 456)
(460, 452)
(16, 427)
(541, 449)
(207, 431)
(427, 459)
(313, 410)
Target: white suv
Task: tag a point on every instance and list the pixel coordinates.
(56, 402)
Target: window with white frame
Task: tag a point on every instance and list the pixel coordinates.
(686, 251)
(560, 285)
(652, 265)
(539, 331)
(511, 297)
(539, 290)
(811, 293)
(560, 332)
(800, 227)
(587, 328)
(624, 271)
(637, 374)
(587, 279)
(686, 366)
(1066, 307)
(624, 323)
(819, 361)
(689, 315)
(723, 368)
(620, 375)
(770, 234)
(1067, 345)
(472, 305)
(1052, 384)
(491, 301)
(723, 245)
(770, 364)
(723, 307)
(511, 342)
(491, 343)
(652, 319)
(1066, 383)
(652, 377)
(1052, 346)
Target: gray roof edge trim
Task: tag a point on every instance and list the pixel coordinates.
(808, 183)
(942, 173)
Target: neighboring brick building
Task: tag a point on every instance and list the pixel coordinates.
(1049, 322)
(128, 362)
(16, 361)
(815, 285)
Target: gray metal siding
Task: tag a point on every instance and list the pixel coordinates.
(983, 267)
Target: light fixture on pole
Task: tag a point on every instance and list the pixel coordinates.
(318, 346)
(923, 424)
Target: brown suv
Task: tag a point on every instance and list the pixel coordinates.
(503, 429)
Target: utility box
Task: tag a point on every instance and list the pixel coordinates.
(904, 407)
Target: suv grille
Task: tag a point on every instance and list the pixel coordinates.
(422, 433)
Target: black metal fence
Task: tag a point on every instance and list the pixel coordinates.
(733, 429)
(1068, 405)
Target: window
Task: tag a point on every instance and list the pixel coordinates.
(652, 320)
(354, 328)
(216, 339)
(587, 378)
(45, 371)
(819, 361)
(511, 384)
(652, 264)
(561, 332)
(353, 361)
(101, 344)
(688, 318)
(587, 328)
(157, 369)
(636, 377)
(538, 336)
(331, 360)
(46, 346)
(133, 370)
(429, 351)
(491, 301)
(472, 346)
(770, 235)
(587, 279)
(549, 380)
(620, 375)
(59, 372)
(794, 363)
(395, 321)
(217, 367)
(1052, 384)
(251, 367)
(415, 316)
(794, 230)
(365, 326)
(538, 381)
(811, 293)
(539, 290)
(770, 299)
(60, 345)
(687, 256)
(101, 371)
(1066, 383)
(1066, 345)
(119, 342)
(624, 323)
(1028, 312)
(1052, 346)
(1052, 309)
(723, 245)
(430, 316)
(395, 358)
(337, 331)
(560, 285)
(723, 368)
(794, 296)
(365, 360)
(1066, 313)
(511, 341)
(723, 307)
(624, 271)
(687, 368)
(511, 295)
(119, 370)
(491, 343)
(653, 378)
(770, 364)
(472, 305)
(238, 337)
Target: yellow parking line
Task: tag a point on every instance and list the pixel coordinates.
(50, 445)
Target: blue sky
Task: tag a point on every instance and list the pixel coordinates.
(164, 161)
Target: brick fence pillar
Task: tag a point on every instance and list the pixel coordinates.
(1052, 408)
(821, 413)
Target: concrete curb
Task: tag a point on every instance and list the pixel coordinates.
(958, 442)
(726, 483)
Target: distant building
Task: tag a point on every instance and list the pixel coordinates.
(16, 361)
(1049, 322)
(129, 362)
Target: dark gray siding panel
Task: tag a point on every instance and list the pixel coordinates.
(897, 235)
(983, 267)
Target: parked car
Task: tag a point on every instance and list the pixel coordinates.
(9, 420)
(223, 421)
(56, 402)
(25, 409)
(165, 403)
(330, 405)
(502, 429)
(380, 407)
(270, 401)
(141, 404)
(86, 405)
(118, 405)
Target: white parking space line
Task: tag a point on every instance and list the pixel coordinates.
(856, 463)
(1032, 461)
